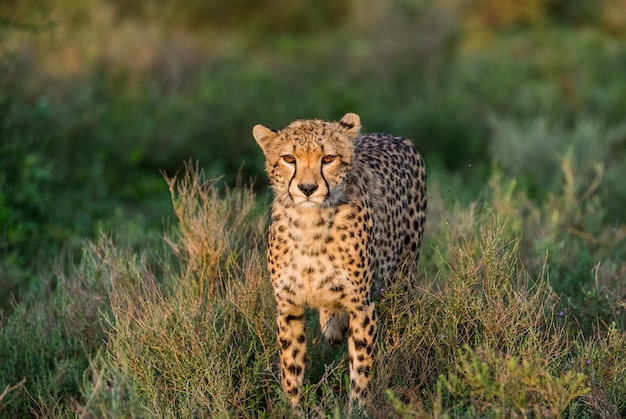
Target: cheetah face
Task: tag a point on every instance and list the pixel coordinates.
(311, 174)
(308, 161)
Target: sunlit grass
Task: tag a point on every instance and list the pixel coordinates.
(481, 333)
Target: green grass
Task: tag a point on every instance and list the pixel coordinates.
(134, 284)
(187, 329)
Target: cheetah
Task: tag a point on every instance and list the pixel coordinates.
(347, 216)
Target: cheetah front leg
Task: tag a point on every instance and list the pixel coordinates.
(292, 343)
(361, 336)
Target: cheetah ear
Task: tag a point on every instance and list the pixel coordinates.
(351, 123)
(263, 136)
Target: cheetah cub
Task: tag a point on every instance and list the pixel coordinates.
(348, 213)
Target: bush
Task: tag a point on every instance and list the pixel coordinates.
(571, 231)
(265, 16)
(46, 347)
(535, 150)
(501, 385)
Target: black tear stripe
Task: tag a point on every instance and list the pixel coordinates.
(295, 169)
(328, 192)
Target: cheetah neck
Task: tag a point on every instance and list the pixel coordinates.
(309, 218)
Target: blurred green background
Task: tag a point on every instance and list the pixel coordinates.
(98, 98)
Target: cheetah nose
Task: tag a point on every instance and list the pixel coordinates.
(307, 188)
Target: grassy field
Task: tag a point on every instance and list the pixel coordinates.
(133, 204)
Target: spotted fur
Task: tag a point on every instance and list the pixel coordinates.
(348, 214)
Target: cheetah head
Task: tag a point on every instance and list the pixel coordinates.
(308, 161)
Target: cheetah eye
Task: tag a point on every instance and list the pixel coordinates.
(289, 159)
(328, 159)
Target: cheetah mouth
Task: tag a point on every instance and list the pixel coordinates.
(307, 202)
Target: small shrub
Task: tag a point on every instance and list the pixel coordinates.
(211, 230)
(46, 347)
(569, 237)
(537, 150)
(501, 385)
(198, 342)
(602, 359)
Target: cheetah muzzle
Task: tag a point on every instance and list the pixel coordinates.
(348, 215)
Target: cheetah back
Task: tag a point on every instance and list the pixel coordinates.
(392, 173)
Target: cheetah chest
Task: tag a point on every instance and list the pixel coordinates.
(315, 268)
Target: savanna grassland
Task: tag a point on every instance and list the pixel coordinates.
(134, 207)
